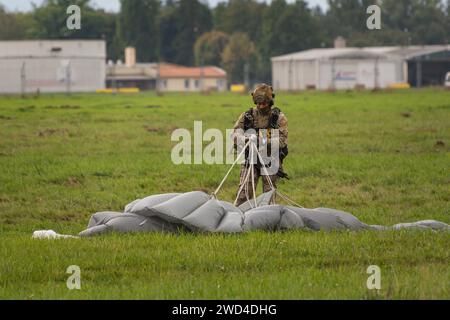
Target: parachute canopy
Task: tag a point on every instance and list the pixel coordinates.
(199, 212)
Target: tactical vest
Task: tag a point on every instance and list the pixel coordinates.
(273, 119)
(273, 124)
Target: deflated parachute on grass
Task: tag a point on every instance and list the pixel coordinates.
(199, 212)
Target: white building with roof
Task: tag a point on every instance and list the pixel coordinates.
(52, 66)
(369, 67)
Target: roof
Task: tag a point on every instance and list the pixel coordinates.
(408, 52)
(139, 71)
(150, 71)
(167, 70)
(53, 48)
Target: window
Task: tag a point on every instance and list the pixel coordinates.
(197, 84)
(186, 83)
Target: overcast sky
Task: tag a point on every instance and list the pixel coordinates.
(113, 5)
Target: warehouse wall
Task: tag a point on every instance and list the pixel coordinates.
(280, 75)
(299, 75)
(46, 63)
(49, 75)
(193, 84)
(350, 73)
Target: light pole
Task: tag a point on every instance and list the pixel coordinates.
(23, 79)
(247, 75)
(202, 74)
(68, 77)
(377, 74)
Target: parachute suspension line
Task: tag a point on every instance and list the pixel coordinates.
(247, 173)
(246, 176)
(272, 186)
(266, 172)
(252, 145)
(244, 185)
(229, 171)
(288, 200)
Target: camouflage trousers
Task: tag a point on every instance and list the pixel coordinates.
(247, 190)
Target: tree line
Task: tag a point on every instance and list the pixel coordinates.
(239, 35)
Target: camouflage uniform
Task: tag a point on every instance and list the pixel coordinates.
(261, 120)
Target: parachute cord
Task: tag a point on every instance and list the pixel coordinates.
(288, 200)
(245, 184)
(266, 172)
(229, 171)
(272, 186)
(253, 172)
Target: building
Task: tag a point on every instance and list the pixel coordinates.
(139, 75)
(165, 77)
(177, 78)
(52, 66)
(369, 67)
(131, 74)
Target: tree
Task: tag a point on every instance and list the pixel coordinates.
(239, 52)
(49, 22)
(421, 21)
(293, 28)
(345, 17)
(428, 20)
(448, 22)
(404, 22)
(168, 29)
(138, 27)
(182, 23)
(194, 19)
(287, 28)
(51, 19)
(240, 16)
(209, 47)
(14, 26)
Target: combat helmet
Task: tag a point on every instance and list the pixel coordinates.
(263, 93)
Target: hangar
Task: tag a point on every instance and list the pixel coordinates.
(52, 66)
(368, 67)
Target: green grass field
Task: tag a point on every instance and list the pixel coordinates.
(382, 156)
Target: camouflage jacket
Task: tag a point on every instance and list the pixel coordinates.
(261, 120)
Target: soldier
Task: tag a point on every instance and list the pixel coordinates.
(263, 116)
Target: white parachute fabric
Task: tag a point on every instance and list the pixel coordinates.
(50, 235)
(426, 224)
(199, 212)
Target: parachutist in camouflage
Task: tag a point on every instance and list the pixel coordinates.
(262, 117)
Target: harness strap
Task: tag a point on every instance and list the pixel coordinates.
(249, 120)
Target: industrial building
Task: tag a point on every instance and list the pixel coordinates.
(164, 77)
(370, 67)
(52, 66)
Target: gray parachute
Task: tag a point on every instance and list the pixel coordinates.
(199, 212)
